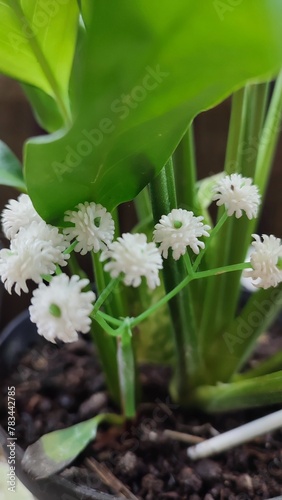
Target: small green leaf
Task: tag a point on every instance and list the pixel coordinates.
(57, 449)
(10, 169)
(251, 393)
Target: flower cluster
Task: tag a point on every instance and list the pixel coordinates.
(61, 309)
(264, 260)
(93, 227)
(178, 230)
(37, 250)
(237, 194)
(132, 256)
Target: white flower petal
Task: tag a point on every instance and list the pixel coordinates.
(75, 306)
(134, 257)
(264, 260)
(34, 251)
(178, 230)
(237, 194)
(18, 214)
(93, 227)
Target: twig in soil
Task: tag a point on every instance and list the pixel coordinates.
(108, 478)
(182, 436)
(236, 436)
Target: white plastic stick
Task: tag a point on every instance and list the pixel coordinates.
(236, 436)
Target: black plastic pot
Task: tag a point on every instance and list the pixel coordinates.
(19, 336)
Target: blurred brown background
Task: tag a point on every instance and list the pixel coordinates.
(17, 124)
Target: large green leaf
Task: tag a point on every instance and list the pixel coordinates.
(148, 69)
(37, 42)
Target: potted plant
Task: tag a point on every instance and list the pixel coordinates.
(116, 90)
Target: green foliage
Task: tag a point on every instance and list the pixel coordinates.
(146, 72)
(37, 42)
(118, 88)
(10, 169)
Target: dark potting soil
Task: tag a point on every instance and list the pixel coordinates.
(58, 386)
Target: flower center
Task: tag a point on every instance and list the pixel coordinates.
(177, 224)
(97, 221)
(55, 311)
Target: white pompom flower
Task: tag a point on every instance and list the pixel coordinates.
(178, 230)
(34, 251)
(18, 214)
(93, 227)
(265, 271)
(61, 309)
(135, 258)
(238, 194)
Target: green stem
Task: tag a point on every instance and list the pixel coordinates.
(213, 233)
(235, 132)
(103, 323)
(109, 319)
(170, 295)
(106, 347)
(105, 293)
(102, 336)
(222, 270)
(186, 172)
(126, 366)
(270, 136)
(163, 197)
(248, 112)
(188, 264)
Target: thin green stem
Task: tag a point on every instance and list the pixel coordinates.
(105, 293)
(126, 366)
(170, 295)
(70, 248)
(101, 321)
(222, 270)
(213, 233)
(109, 319)
(103, 336)
(188, 264)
